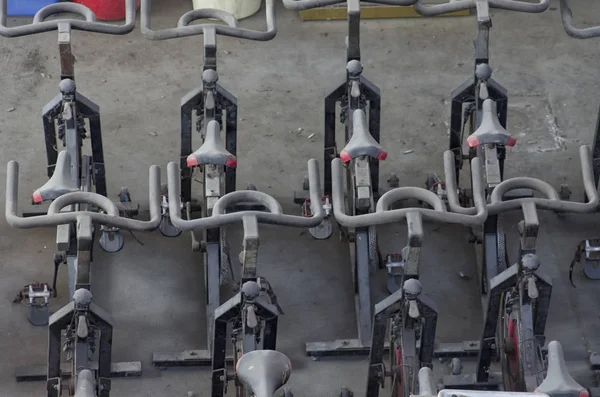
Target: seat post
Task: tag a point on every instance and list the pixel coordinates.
(67, 64)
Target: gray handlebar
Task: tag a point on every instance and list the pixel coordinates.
(567, 18)
(184, 29)
(551, 200)
(219, 216)
(383, 215)
(299, 5)
(40, 25)
(54, 217)
(460, 5)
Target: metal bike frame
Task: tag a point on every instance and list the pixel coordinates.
(215, 177)
(234, 311)
(405, 330)
(465, 94)
(364, 182)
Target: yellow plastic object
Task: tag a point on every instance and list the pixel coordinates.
(239, 8)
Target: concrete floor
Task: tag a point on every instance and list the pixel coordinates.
(157, 302)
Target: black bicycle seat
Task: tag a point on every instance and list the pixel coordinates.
(490, 130)
(60, 183)
(264, 371)
(558, 381)
(212, 151)
(362, 142)
(85, 384)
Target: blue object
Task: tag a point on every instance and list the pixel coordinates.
(27, 8)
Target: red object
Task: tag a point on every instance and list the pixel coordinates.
(106, 10)
(37, 197)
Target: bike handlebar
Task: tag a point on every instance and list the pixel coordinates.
(184, 29)
(383, 215)
(578, 33)
(219, 216)
(40, 25)
(299, 5)
(551, 201)
(461, 5)
(55, 217)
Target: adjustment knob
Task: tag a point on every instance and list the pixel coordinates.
(251, 290)
(530, 262)
(483, 71)
(210, 76)
(67, 86)
(354, 68)
(82, 297)
(412, 288)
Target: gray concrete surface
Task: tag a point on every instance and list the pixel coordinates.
(155, 292)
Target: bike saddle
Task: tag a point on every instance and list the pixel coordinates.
(60, 183)
(490, 130)
(362, 142)
(212, 151)
(85, 384)
(558, 381)
(264, 371)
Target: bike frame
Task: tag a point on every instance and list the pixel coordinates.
(363, 182)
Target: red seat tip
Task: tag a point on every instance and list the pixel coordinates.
(37, 197)
(382, 155)
(192, 161)
(345, 157)
(584, 393)
(472, 141)
(231, 162)
(512, 141)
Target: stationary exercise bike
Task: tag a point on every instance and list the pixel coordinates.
(207, 109)
(81, 330)
(588, 250)
(253, 312)
(557, 382)
(410, 317)
(360, 103)
(515, 298)
(64, 118)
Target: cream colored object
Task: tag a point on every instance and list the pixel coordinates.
(239, 8)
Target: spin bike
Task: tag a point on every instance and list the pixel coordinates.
(206, 108)
(68, 113)
(252, 312)
(557, 383)
(81, 330)
(357, 97)
(411, 317)
(589, 250)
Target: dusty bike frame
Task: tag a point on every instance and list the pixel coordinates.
(411, 317)
(358, 98)
(212, 104)
(252, 312)
(87, 329)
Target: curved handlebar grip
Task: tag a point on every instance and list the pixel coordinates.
(185, 30)
(578, 33)
(382, 215)
(39, 24)
(207, 13)
(299, 5)
(220, 218)
(521, 6)
(98, 200)
(552, 202)
(60, 8)
(460, 5)
(55, 218)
